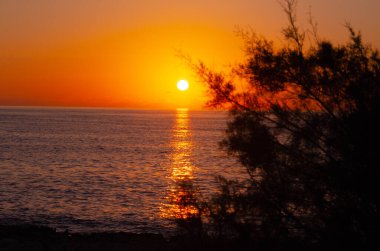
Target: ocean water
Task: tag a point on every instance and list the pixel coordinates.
(90, 170)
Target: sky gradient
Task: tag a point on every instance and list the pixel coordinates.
(118, 53)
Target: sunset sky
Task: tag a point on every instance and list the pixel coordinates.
(119, 53)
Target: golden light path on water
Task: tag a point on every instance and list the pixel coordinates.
(180, 193)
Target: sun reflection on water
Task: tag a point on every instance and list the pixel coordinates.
(180, 196)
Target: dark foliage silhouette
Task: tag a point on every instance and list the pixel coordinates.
(304, 123)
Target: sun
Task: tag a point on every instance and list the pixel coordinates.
(182, 85)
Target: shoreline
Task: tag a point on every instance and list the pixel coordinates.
(34, 237)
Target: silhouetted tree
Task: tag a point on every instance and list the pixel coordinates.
(304, 123)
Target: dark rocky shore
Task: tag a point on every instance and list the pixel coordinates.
(28, 237)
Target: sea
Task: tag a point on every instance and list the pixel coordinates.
(108, 170)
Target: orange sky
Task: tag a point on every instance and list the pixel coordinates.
(119, 53)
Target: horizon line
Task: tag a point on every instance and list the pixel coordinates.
(105, 108)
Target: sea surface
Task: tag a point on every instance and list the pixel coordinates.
(91, 170)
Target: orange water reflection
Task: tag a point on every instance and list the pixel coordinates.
(180, 197)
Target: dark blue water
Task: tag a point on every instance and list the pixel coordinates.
(106, 170)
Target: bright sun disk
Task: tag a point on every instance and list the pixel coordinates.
(182, 85)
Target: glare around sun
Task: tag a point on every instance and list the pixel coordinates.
(182, 85)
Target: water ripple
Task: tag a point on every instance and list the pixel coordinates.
(104, 170)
